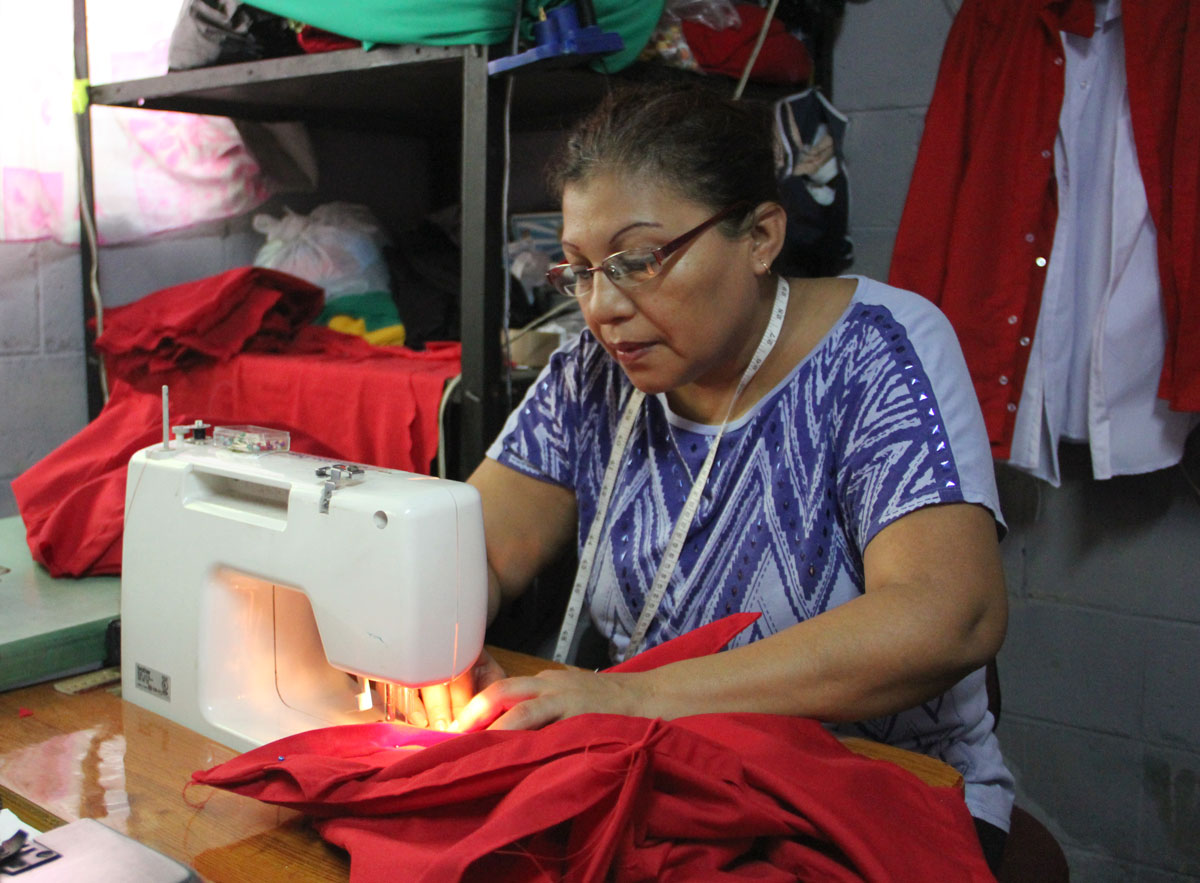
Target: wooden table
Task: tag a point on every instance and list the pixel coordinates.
(93, 755)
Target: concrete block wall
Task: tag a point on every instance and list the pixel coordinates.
(885, 65)
(43, 398)
(1100, 672)
(43, 393)
(1101, 688)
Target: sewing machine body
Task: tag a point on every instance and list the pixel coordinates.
(247, 611)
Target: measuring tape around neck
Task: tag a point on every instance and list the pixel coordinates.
(570, 633)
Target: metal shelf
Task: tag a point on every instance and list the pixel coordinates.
(426, 91)
(389, 86)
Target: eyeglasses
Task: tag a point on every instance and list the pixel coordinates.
(632, 267)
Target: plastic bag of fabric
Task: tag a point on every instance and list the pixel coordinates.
(716, 14)
(338, 246)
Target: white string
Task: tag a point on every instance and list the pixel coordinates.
(758, 44)
(679, 535)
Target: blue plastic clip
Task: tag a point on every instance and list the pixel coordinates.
(559, 35)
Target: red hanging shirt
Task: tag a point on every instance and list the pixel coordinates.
(982, 204)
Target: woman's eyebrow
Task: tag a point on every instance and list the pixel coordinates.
(631, 226)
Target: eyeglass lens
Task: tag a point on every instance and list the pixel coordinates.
(629, 268)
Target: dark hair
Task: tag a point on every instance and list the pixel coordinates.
(708, 148)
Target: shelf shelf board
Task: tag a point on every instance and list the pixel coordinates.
(386, 87)
(400, 87)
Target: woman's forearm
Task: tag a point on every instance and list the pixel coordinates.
(876, 655)
(934, 609)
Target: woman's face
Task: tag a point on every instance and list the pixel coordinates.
(696, 323)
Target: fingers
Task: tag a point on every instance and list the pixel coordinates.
(532, 714)
(487, 672)
(416, 712)
(438, 706)
(496, 700)
(462, 688)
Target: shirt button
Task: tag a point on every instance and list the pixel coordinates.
(1003, 380)
(1012, 320)
(1029, 237)
(1012, 407)
(1058, 61)
(1045, 154)
(1024, 341)
(1041, 262)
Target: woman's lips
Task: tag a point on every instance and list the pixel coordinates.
(629, 352)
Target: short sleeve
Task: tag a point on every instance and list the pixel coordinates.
(912, 433)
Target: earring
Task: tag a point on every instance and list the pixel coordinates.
(760, 260)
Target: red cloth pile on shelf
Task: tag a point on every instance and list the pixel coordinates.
(233, 349)
(250, 309)
(783, 59)
(603, 797)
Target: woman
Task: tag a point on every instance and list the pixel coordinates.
(849, 496)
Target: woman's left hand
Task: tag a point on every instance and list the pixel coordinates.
(439, 704)
(527, 703)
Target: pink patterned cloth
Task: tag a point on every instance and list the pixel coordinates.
(154, 171)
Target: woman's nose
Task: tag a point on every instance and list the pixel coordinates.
(607, 302)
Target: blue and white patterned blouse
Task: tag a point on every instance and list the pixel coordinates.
(879, 420)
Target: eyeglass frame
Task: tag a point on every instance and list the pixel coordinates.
(660, 254)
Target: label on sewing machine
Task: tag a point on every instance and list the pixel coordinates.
(153, 682)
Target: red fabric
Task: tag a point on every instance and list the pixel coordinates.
(782, 59)
(338, 396)
(606, 797)
(702, 641)
(984, 179)
(316, 40)
(1162, 58)
(248, 308)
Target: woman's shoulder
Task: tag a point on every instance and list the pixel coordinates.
(873, 312)
(832, 310)
(908, 307)
(851, 322)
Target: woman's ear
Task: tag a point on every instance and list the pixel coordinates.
(767, 234)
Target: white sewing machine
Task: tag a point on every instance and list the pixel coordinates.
(262, 592)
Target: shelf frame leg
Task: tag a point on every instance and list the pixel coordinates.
(483, 402)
